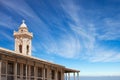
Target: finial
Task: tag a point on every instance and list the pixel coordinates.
(23, 21)
(23, 24)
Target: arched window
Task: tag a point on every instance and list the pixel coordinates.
(22, 30)
(27, 49)
(20, 48)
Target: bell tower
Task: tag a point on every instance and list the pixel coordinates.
(23, 37)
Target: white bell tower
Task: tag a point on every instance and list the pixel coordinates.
(23, 39)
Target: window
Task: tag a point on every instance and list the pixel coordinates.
(10, 68)
(20, 48)
(28, 70)
(27, 49)
(59, 75)
(40, 72)
(22, 30)
(32, 70)
(3, 77)
(10, 78)
(3, 68)
(18, 68)
(24, 70)
(53, 74)
(45, 72)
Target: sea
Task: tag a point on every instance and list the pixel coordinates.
(100, 78)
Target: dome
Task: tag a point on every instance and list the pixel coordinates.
(23, 25)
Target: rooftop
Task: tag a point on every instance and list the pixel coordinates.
(13, 53)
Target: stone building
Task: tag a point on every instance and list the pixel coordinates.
(20, 65)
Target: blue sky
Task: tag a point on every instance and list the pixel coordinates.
(80, 34)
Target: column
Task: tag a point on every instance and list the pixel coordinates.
(56, 74)
(44, 73)
(78, 75)
(26, 72)
(49, 73)
(35, 75)
(24, 47)
(15, 71)
(0, 68)
(68, 76)
(74, 76)
(62, 74)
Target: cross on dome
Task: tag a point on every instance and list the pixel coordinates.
(23, 21)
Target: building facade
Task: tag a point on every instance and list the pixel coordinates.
(20, 65)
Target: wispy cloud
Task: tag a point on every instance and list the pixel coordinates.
(24, 10)
(13, 6)
(5, 21)
(68, 46)
(104, 55)
(77, 39)
(110, 29)
(6, 36)
(87, 35)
